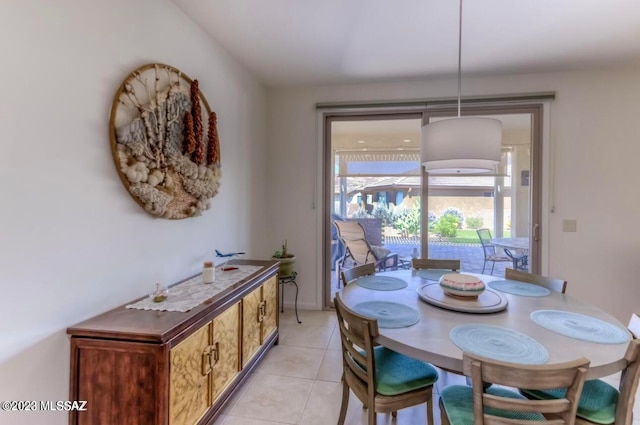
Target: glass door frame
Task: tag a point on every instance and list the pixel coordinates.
(328, 175)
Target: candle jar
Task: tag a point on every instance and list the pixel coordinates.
(208, 272)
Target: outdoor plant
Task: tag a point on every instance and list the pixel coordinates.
(447, 226)
(456, 213)
(409, 222)
(360, 213)
(474, 222)
(382, 211)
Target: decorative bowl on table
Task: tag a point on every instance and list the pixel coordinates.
(461, 285)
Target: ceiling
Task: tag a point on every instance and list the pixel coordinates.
(306, 42)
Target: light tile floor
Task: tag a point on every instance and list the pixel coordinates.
(299, 381)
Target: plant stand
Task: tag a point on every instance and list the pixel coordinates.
(289, 279)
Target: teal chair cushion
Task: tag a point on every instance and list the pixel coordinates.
(457, 401)
(397, 374)
(597, 402)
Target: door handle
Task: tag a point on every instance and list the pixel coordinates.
(536, 232)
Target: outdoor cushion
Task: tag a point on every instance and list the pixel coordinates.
(397, 373)
(457, 401)
(597, 401)
(380, 252)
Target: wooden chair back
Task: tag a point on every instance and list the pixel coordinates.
(634, 325)
(570, 375)
(429, 263)
(357, 333)
(629, 384)
(356, 272)
(556, 285)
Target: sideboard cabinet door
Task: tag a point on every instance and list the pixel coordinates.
(251, 324)
(270, 299)
(226, 343)
(189, 396)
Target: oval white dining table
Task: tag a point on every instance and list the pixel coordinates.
(428, 340)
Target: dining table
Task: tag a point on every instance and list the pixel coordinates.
(430, 338)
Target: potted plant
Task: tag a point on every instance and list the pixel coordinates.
(287, 260)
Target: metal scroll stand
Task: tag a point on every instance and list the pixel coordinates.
(289, 279)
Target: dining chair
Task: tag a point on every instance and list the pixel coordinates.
(383, 380)
(556, 285)
(355, 272)
(496, 405)
(428, 263)
(490, 253)
(600, 402)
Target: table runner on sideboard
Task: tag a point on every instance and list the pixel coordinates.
(191, 293)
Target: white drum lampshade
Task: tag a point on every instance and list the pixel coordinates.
(462, 145)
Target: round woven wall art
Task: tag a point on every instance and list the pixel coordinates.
(164, 140)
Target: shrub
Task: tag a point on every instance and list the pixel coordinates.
(432, 217)
(474, 222)
(407, 220)
(456, 213)
(381, 211)
(447, 226)
(361, 213)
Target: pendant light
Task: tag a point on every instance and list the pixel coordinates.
(462, 145)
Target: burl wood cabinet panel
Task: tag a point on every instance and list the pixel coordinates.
(259, 318)
(138, 367)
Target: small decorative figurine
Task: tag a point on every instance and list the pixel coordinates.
(160, 295)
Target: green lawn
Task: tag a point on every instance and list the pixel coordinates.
(471, 236)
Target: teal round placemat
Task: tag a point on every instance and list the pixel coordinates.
(433, 274)
(381, 283)
(389, 314)
(499, 343)
(516, 287)
(579, 326)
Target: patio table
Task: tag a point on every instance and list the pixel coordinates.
(429, 339)
(520, 243)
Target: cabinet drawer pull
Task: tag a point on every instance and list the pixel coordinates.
(206, 361)
(215, 354)
(262, 311)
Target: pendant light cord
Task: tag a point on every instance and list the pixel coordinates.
(459, 59)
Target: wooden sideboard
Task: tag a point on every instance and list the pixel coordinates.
(139, 367)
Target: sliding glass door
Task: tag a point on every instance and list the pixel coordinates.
(373, 175)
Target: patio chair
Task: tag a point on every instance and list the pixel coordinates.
(556, 285)
(489, 250)
(600, 402)
(520, 260)
(358, 250)
(496, 405)
(385, 381)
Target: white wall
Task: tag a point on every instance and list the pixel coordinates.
(594, 132)
(73, 243)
